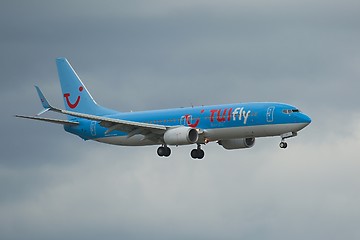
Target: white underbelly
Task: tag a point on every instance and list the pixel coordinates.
(252, 131)
(213, 134)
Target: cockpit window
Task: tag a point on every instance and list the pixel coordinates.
(288, 111)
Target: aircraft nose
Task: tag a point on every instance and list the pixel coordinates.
(305, 118)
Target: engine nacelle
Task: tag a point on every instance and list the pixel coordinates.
(238, 143)
(181, 136)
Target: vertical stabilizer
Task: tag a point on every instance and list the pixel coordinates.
(76, 97)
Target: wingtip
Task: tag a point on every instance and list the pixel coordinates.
(42, 98)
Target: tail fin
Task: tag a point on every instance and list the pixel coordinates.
(76, 97)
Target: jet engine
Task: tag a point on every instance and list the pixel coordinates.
(181, 136)
(238, 143)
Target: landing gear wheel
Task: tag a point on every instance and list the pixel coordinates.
(201, 153)
(167, 151)
(283, 145)
(194, 153)
(197, 153)
(161, 151)
(164, 151)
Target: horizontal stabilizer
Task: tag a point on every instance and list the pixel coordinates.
(58, 121)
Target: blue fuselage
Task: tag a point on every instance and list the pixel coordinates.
(227, 121)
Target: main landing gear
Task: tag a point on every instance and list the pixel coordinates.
(164, 151)
(197, 153)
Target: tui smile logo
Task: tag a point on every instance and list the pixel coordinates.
(73, 105)
(189, 120)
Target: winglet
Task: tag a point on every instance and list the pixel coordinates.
(46, 105)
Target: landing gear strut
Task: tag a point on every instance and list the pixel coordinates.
(197, 153)
(164, 151)
(283, 144)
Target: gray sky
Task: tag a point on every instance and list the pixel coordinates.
(140, 55)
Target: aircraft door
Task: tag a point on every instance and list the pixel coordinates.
(93, 128)
(270, 114)
(184, 120)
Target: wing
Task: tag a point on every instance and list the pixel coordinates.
(58, 121)
(150, 131)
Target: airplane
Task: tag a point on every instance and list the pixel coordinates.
(233, 126)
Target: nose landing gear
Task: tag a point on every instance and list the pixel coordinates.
(283, 144)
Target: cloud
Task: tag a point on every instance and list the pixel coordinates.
(139, 55)
(253, 193)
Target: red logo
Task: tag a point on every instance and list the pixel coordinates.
(222, 114)
(193, 125)
(188, 119)
(73, 105)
